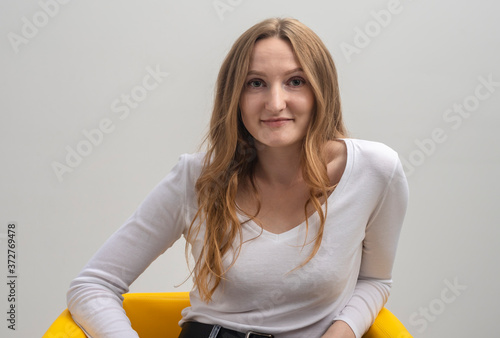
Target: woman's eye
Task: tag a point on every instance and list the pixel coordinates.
(255, 83)
(296, 82)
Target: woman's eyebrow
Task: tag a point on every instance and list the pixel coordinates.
(256, 72)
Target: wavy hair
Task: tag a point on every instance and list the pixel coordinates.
(231, 153)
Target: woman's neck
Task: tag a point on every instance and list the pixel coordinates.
(279, 167)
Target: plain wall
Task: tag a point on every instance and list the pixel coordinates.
(413, 79)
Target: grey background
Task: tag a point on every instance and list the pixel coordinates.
(63, 79)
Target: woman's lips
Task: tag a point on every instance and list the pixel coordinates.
(276, 122)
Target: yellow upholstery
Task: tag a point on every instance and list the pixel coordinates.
(156, 315)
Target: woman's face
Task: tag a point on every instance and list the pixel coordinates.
(277, 101)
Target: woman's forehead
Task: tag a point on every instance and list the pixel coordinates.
(271, 54)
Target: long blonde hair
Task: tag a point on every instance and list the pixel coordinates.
(231, 154)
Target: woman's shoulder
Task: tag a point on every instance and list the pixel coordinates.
(374, 155)
(195, 159)
(191, 163)
(187, 169)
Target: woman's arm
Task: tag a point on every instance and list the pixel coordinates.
(95, 295)
(339, 329)
(379, 251)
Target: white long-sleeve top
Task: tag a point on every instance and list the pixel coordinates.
(348, 279)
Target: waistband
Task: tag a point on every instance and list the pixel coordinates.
(201, 330)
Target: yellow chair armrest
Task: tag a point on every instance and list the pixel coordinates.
(156, 314)
(64, 327)
(386, 325)
(151, 315)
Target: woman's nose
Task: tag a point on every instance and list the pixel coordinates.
(276, 99)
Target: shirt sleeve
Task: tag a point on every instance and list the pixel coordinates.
(379, 251)
(95, 295)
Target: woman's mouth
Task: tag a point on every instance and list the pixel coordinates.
(276, 122)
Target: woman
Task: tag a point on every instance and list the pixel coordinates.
(293, 226)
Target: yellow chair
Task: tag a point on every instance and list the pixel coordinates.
(156, 315)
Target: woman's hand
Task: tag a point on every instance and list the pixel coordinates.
(339, 329)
